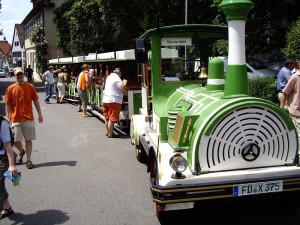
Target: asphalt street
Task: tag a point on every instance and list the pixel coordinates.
(80, 176)
(83, 177)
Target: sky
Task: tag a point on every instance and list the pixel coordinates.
(12, 12)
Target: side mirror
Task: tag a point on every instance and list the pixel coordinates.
(141, 51)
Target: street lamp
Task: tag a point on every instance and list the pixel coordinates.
(185, 20)
(186, 9)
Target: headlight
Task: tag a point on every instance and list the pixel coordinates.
(178, 163)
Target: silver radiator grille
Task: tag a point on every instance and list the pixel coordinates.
(248, 137)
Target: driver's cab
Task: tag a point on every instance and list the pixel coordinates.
(171, 58)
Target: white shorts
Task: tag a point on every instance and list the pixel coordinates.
(24, 129)
(61, 89)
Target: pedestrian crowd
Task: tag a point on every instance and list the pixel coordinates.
(20, 98)
(288, 88)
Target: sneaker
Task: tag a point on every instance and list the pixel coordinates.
(47, 102)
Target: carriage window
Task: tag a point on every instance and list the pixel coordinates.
(182, 58)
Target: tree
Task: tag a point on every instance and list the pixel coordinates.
(97, 25)
(62, 27)
(40, 45)
(292, 49)
(108, 25)
(267, 24)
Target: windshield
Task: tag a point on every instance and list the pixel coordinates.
(183, 57)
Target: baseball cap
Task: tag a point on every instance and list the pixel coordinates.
(18, 70)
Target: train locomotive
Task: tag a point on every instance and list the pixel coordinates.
(203, 137)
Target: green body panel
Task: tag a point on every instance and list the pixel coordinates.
(93, 93)
(236, 81)
(216, 74)
(137, 102)
(72, 88)
(100, 96)
(225, 106)
(203, 104)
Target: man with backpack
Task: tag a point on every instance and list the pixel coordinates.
(6, 163)
(19, 97)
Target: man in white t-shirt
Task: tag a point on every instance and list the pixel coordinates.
(48, 77)
(112, 100)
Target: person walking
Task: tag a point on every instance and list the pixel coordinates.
(48, 77)
(291, 97)
(283, 76)
(112, 100)
(6, 164)
(62, 78)
(83, 87)
(29, 73)
(19, 97)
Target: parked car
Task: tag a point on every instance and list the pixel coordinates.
(274, 60)
(255, 69)
(2, 73)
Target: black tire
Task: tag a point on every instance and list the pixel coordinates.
(141, 155)
(162, 217)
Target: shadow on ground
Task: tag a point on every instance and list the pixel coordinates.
(45, 217)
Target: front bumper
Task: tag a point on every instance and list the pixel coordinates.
(183, 193)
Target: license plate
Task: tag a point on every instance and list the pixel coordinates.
(257, 188)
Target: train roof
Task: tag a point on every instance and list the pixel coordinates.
(204, 30)
(96, 57)
(124, 55)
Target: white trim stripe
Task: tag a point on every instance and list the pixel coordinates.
(216, 81)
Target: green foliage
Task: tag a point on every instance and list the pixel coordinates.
(292, 49)
(267, 24)
(40, 45)
(263, 88)
(62, 27)
(108, 25)
(98, 25)
(222, 47)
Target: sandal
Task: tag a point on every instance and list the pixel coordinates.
(113, 136)
(29, 165)
(7, 213)
(19, 158)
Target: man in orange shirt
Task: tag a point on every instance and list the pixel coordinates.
(19, 97)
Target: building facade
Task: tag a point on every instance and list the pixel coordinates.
(41, 13)
(17, 47)
(5, 57)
